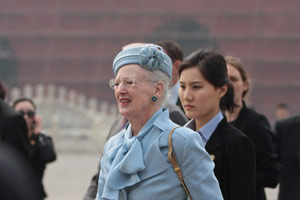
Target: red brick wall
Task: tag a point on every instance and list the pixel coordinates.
(73, 42)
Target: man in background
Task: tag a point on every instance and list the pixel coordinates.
(287, 133)
(282, 111)
(173, 50)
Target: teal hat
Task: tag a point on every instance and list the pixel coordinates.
(150, 56)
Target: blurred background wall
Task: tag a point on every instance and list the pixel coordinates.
(72, 43)
(60, 53)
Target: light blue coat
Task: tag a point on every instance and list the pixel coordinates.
(137, 168)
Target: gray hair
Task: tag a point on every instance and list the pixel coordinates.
(158, 75)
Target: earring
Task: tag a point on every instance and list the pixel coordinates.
(154, 98)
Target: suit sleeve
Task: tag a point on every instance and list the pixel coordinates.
(268, 166)
(242, 170)
(197, 170)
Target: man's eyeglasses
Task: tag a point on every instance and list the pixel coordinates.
(30, 113)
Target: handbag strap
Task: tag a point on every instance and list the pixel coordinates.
(172, 159)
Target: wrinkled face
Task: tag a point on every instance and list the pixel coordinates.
(133, 91)
(28, 112)
(199, 98)
(236, 80)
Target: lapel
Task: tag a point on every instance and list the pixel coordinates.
(216, 139)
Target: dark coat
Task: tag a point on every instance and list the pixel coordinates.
(258, 129)
(288, 139)
(176, 114)
(16, 180)
(13, 130)
(41, 153)
(234, 157)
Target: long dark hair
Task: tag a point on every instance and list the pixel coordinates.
(213, 67)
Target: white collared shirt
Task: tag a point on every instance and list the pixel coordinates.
(207, 130)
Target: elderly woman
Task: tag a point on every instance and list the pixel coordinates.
(135, 163)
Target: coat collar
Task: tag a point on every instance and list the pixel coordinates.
(216, 138)
(137, 158)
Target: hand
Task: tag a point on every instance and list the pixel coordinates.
(38, 125)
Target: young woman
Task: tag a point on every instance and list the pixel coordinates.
(204, 92)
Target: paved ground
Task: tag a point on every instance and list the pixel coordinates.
(69, 176)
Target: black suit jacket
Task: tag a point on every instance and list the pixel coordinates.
(13, 130)
(258, 129)
(234, 157)
(288, 140)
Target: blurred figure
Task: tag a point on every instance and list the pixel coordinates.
(205, 91)
(256, 126)
(287, 134)
(3, 91)
(173, 50)
(118, 125)
(135, 163)
(282, 111)
(16, 182)
(41, 146)
(13, 130)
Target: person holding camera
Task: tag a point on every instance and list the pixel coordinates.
(41, 146)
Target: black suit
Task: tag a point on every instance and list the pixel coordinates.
(234, 157)
(288, 139)
(13, 130)
(258, 129)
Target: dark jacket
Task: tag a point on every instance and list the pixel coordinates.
(258, 129)
(41, 153)
(13, 130)
(234, 157)
(176, 114)
(288, 140)
(16, 180)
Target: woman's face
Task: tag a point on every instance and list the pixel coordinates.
(199, 98)
(28, 112)
(133, 91)
(239, 85)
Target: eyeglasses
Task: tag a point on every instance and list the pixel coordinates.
(30, 113)
(129, 83)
